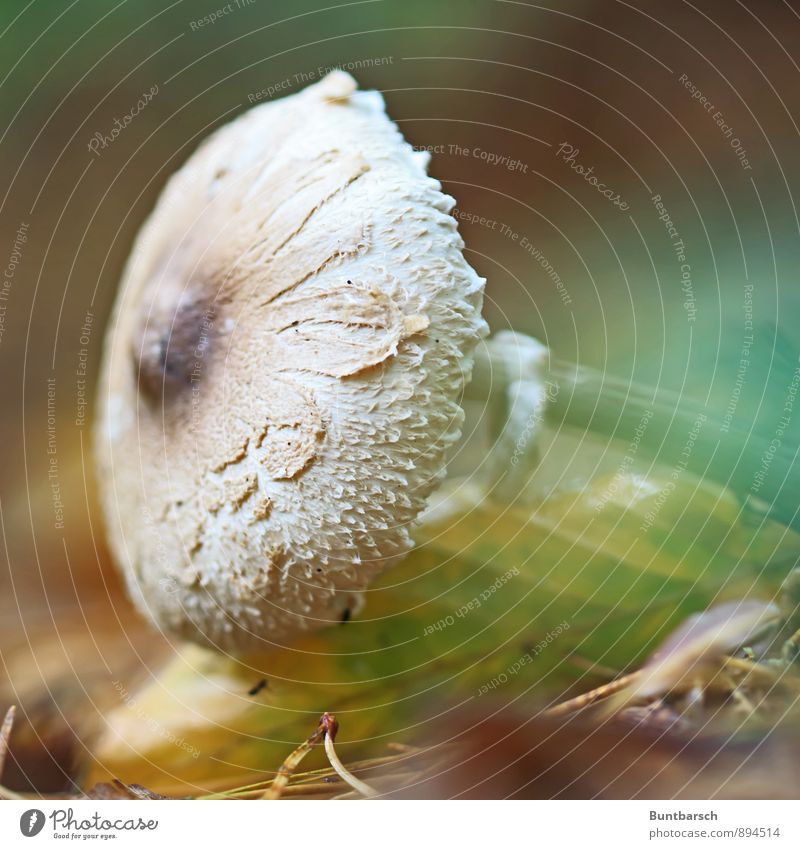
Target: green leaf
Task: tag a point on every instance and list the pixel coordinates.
(495, 601)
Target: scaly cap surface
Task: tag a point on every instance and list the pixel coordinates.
(282, 371)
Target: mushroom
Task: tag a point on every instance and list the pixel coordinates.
(282, 371)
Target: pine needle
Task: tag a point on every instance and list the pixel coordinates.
(325, 780)
(325, 731)
(331, 726)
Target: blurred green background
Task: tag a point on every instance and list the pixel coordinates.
(495, 89)
(510, 79)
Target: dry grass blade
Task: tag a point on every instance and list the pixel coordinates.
(694, 656)
(709, 634)
(312, 781)
(758, 673)
(591, 697)
(686, 655)
(408, 765)
(288, 767)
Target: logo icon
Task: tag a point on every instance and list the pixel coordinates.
(31, 822)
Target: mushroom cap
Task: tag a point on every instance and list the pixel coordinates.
(282, 371)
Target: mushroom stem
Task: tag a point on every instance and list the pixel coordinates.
(510, 366)
(510, 373)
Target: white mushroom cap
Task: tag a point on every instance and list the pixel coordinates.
(283, 370)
